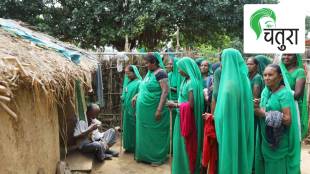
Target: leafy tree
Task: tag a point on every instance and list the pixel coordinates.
(307, 24)
(90, 23)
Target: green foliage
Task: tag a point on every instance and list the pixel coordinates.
(90, 23)
(307, 24)
(212, 53)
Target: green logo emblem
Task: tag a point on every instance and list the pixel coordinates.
(261, 19)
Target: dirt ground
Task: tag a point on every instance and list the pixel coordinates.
(125, 164)
(305, 159)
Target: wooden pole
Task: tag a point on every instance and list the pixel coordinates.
(121, 131)
(126, 43)
(178, 39)
(170, 148)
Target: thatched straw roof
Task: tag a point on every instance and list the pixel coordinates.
(23, 63)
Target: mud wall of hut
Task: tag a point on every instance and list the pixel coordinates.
(29, 144)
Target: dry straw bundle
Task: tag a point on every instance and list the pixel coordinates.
(23, 64)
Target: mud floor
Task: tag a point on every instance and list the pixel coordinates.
(125, 164)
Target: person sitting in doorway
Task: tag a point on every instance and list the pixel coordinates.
(91, 140)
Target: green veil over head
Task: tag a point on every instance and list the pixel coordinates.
(127, 80)
(303, 106)
(175, 77)
(234, 116)
(263, 62)
(189, 66)
(160, 60)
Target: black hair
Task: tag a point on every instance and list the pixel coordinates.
(278, 70)
(204, 60)
(294, 56)
(130, 68)
(90, 107)
(276, 67)
(220, 57)
(169, 50)
(151, 59)
(254, 60)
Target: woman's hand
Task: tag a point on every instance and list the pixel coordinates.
(256, 102)
(206, 115)
(287, 118)
(171, 104)
(206, 94)
(173, 89)
(157, 115)
(259, 112)
(133, 101)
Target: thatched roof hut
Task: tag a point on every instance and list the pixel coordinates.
(36, 83)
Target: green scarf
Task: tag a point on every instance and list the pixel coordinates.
(174, 74)
(234, 116)
(263, 62)
(160, 60)
(175, 79)
(303, 108)
(126, 79)
(130, 89)
(190, 67)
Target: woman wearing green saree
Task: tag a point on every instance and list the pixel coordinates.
(152, 131)
(130, 89)
(234, 116)
(174, 77)
(175, 80)
(277, 141)
(294, 74)
(187, 154)
(256, 80)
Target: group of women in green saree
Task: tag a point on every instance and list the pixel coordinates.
(259, 110)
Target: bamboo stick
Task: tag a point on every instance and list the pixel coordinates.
(8, 110)
(4, 90)
(18, 63)
(5, 99)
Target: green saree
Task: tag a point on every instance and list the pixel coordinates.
(130, 89)
(234, 116)
(285, 159)
(180, 163)
(152, 137)
(257, 80)
(175, 80)
(291, 78)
